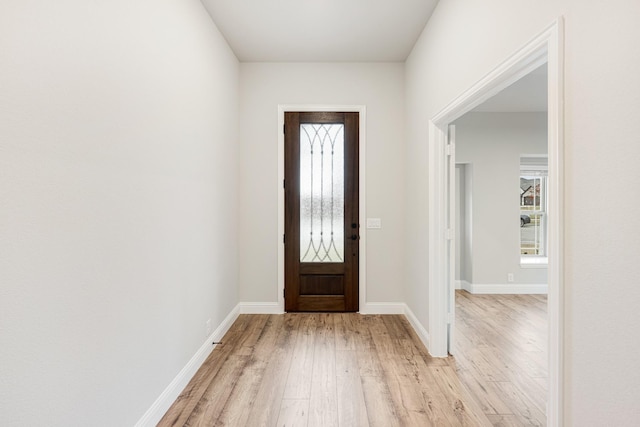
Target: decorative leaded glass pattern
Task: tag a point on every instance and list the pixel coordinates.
(321, 193)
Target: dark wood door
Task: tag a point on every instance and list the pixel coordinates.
(321, 211)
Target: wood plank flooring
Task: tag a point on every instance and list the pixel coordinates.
(345, 369)
(500, 355)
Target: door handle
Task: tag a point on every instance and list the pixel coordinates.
(354, 237)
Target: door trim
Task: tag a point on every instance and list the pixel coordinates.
(547, 46)
(361, 109)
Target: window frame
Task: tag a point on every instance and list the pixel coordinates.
(536, 167)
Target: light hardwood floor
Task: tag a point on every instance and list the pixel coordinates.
(501, 355)
(351, 370)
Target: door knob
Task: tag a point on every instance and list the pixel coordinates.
(354, 237)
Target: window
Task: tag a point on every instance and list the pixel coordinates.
(533, 208)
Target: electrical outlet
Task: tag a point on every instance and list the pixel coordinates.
(208, 327)
(510, 277)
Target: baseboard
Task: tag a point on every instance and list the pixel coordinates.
(463, 285)
(260, 308)
(508, 288)
(417, 326)
(155, 413)
(383, 308)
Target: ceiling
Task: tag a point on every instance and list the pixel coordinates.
(347, 31)
(321, 30)
(529, 94)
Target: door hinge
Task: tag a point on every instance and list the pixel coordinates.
(450, 150)
(284, 238)
(284, 293)
(284, 183)
(284, 129)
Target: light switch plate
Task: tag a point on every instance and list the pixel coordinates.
(374, 223)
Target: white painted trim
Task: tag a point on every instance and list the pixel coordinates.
(362, 271)
(534, 260)
(261, 308)
(463, 285)
(157, 410)
(555, 244)
(438, 288)
(383, 308)
(450, 167)
(547, 46)
(531, 56)
(506, 289)
(417, 326)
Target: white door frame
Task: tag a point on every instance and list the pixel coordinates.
(545, 47)
(362, 252)
(450, 194)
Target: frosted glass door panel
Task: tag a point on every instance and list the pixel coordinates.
(321, 193)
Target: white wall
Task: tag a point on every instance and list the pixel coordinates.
(380, 87)
(493, 144)
(460, 226)
(464, 229)
(461, 43)
(118, 165)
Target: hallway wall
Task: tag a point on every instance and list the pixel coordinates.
(462, 42)
(118, 206)
(379, 86)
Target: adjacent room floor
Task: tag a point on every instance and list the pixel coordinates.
(501, 355)
(372, 370)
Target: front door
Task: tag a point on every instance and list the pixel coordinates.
(321, 211)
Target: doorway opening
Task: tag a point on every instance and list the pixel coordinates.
(498, 337)
(544, 48)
